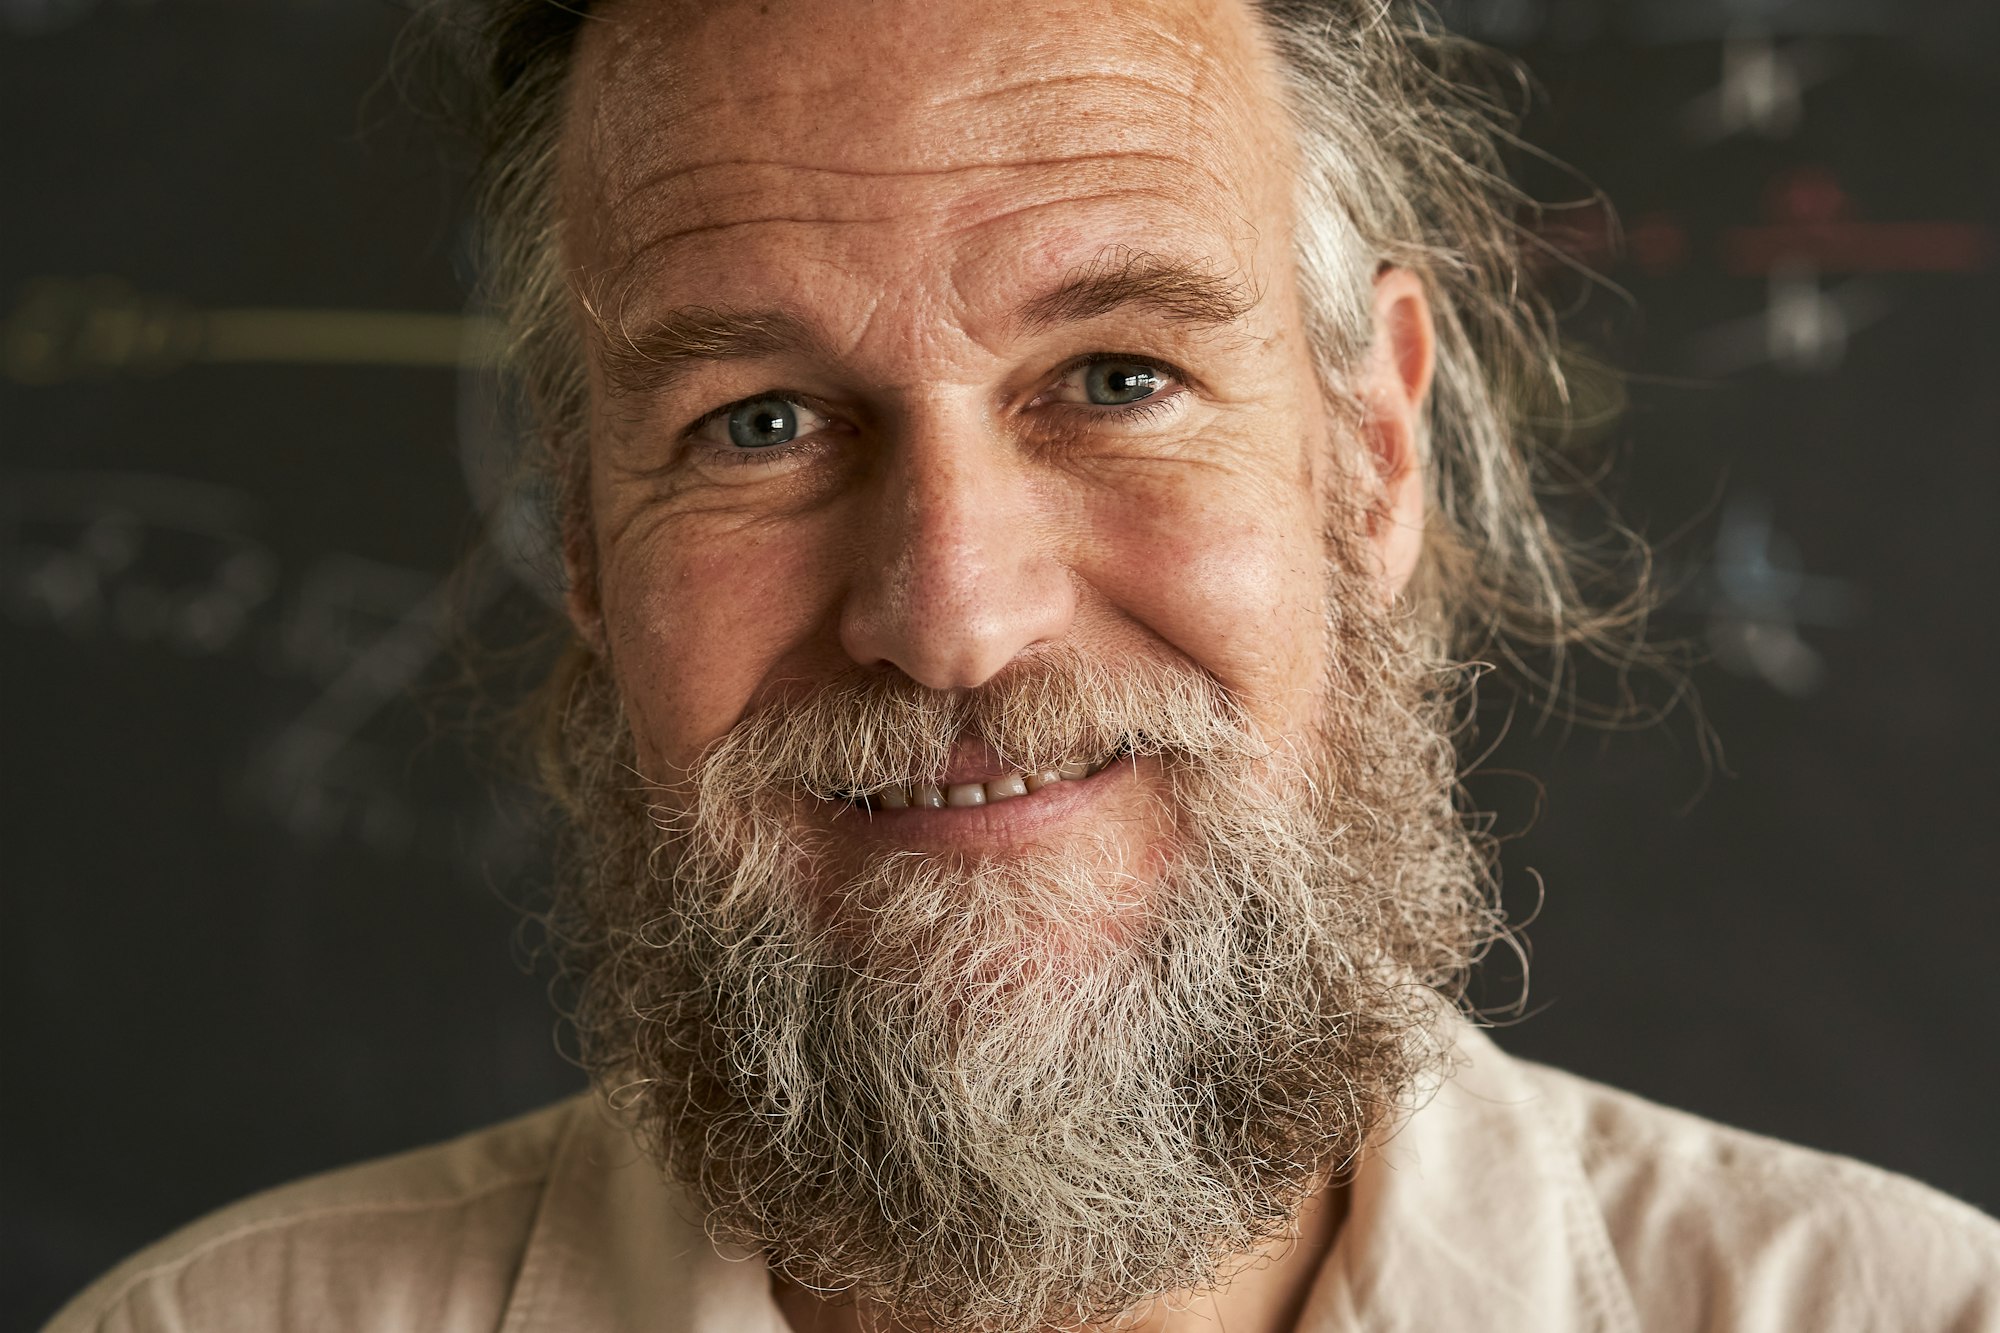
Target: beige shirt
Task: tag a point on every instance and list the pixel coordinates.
(1516, 1200)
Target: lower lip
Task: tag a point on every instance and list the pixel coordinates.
(1011, 820)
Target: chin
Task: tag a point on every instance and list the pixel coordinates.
(983, 923)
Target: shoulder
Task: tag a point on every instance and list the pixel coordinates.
(1718, 1228)
(426, 1239)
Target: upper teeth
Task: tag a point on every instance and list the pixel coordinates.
(936, 796)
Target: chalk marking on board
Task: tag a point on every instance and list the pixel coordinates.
(64, 329)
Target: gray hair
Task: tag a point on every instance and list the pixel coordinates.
(1402, 129)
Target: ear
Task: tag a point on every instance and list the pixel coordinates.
(580, 599)
(1393, 384)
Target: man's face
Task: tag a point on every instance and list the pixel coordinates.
(935, 336)
(954, 434)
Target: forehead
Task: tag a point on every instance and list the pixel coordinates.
(871, 133)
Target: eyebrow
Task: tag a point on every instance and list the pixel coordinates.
(650, 359)
(1183, 292)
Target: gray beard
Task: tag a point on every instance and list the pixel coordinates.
(974, 1093)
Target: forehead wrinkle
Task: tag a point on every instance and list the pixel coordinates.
(1143, 91)
(672, 174)
(1166, 100)
(1026, 86)
(1154, 193)
(961, 212)
(641, 199)
(908, 77)
(1181, 111)
(939, 153)
(766, 220)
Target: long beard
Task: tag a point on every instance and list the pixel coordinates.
(1041, 1089)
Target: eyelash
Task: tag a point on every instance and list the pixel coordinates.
(752, 457)
(1142, 410)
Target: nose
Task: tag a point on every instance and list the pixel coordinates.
(957, 573)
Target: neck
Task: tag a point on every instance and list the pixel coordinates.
(1266, 1295)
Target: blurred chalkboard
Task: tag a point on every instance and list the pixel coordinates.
(258, 895)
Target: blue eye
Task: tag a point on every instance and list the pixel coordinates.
(764, 429)
(1119, 383)
(763, 423)
(1129, 393)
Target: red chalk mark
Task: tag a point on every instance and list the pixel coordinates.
(1860, 247)
(1808, 196)
(1810, 220)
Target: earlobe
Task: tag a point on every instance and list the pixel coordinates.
(1394, 390)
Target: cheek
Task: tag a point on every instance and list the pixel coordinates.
(1230, 576)
(696, 622)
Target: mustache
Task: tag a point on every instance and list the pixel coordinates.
(858, 732)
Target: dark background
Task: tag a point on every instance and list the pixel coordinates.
(257, 893)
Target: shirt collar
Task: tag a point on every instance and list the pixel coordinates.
(1475, 1213)
(616, 1249)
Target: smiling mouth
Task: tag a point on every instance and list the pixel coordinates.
(1007, 786)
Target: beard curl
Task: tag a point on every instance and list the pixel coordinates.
(962, 1095)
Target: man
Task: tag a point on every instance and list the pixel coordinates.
(1025, 474)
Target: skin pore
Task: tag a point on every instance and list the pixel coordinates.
(928, 335)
